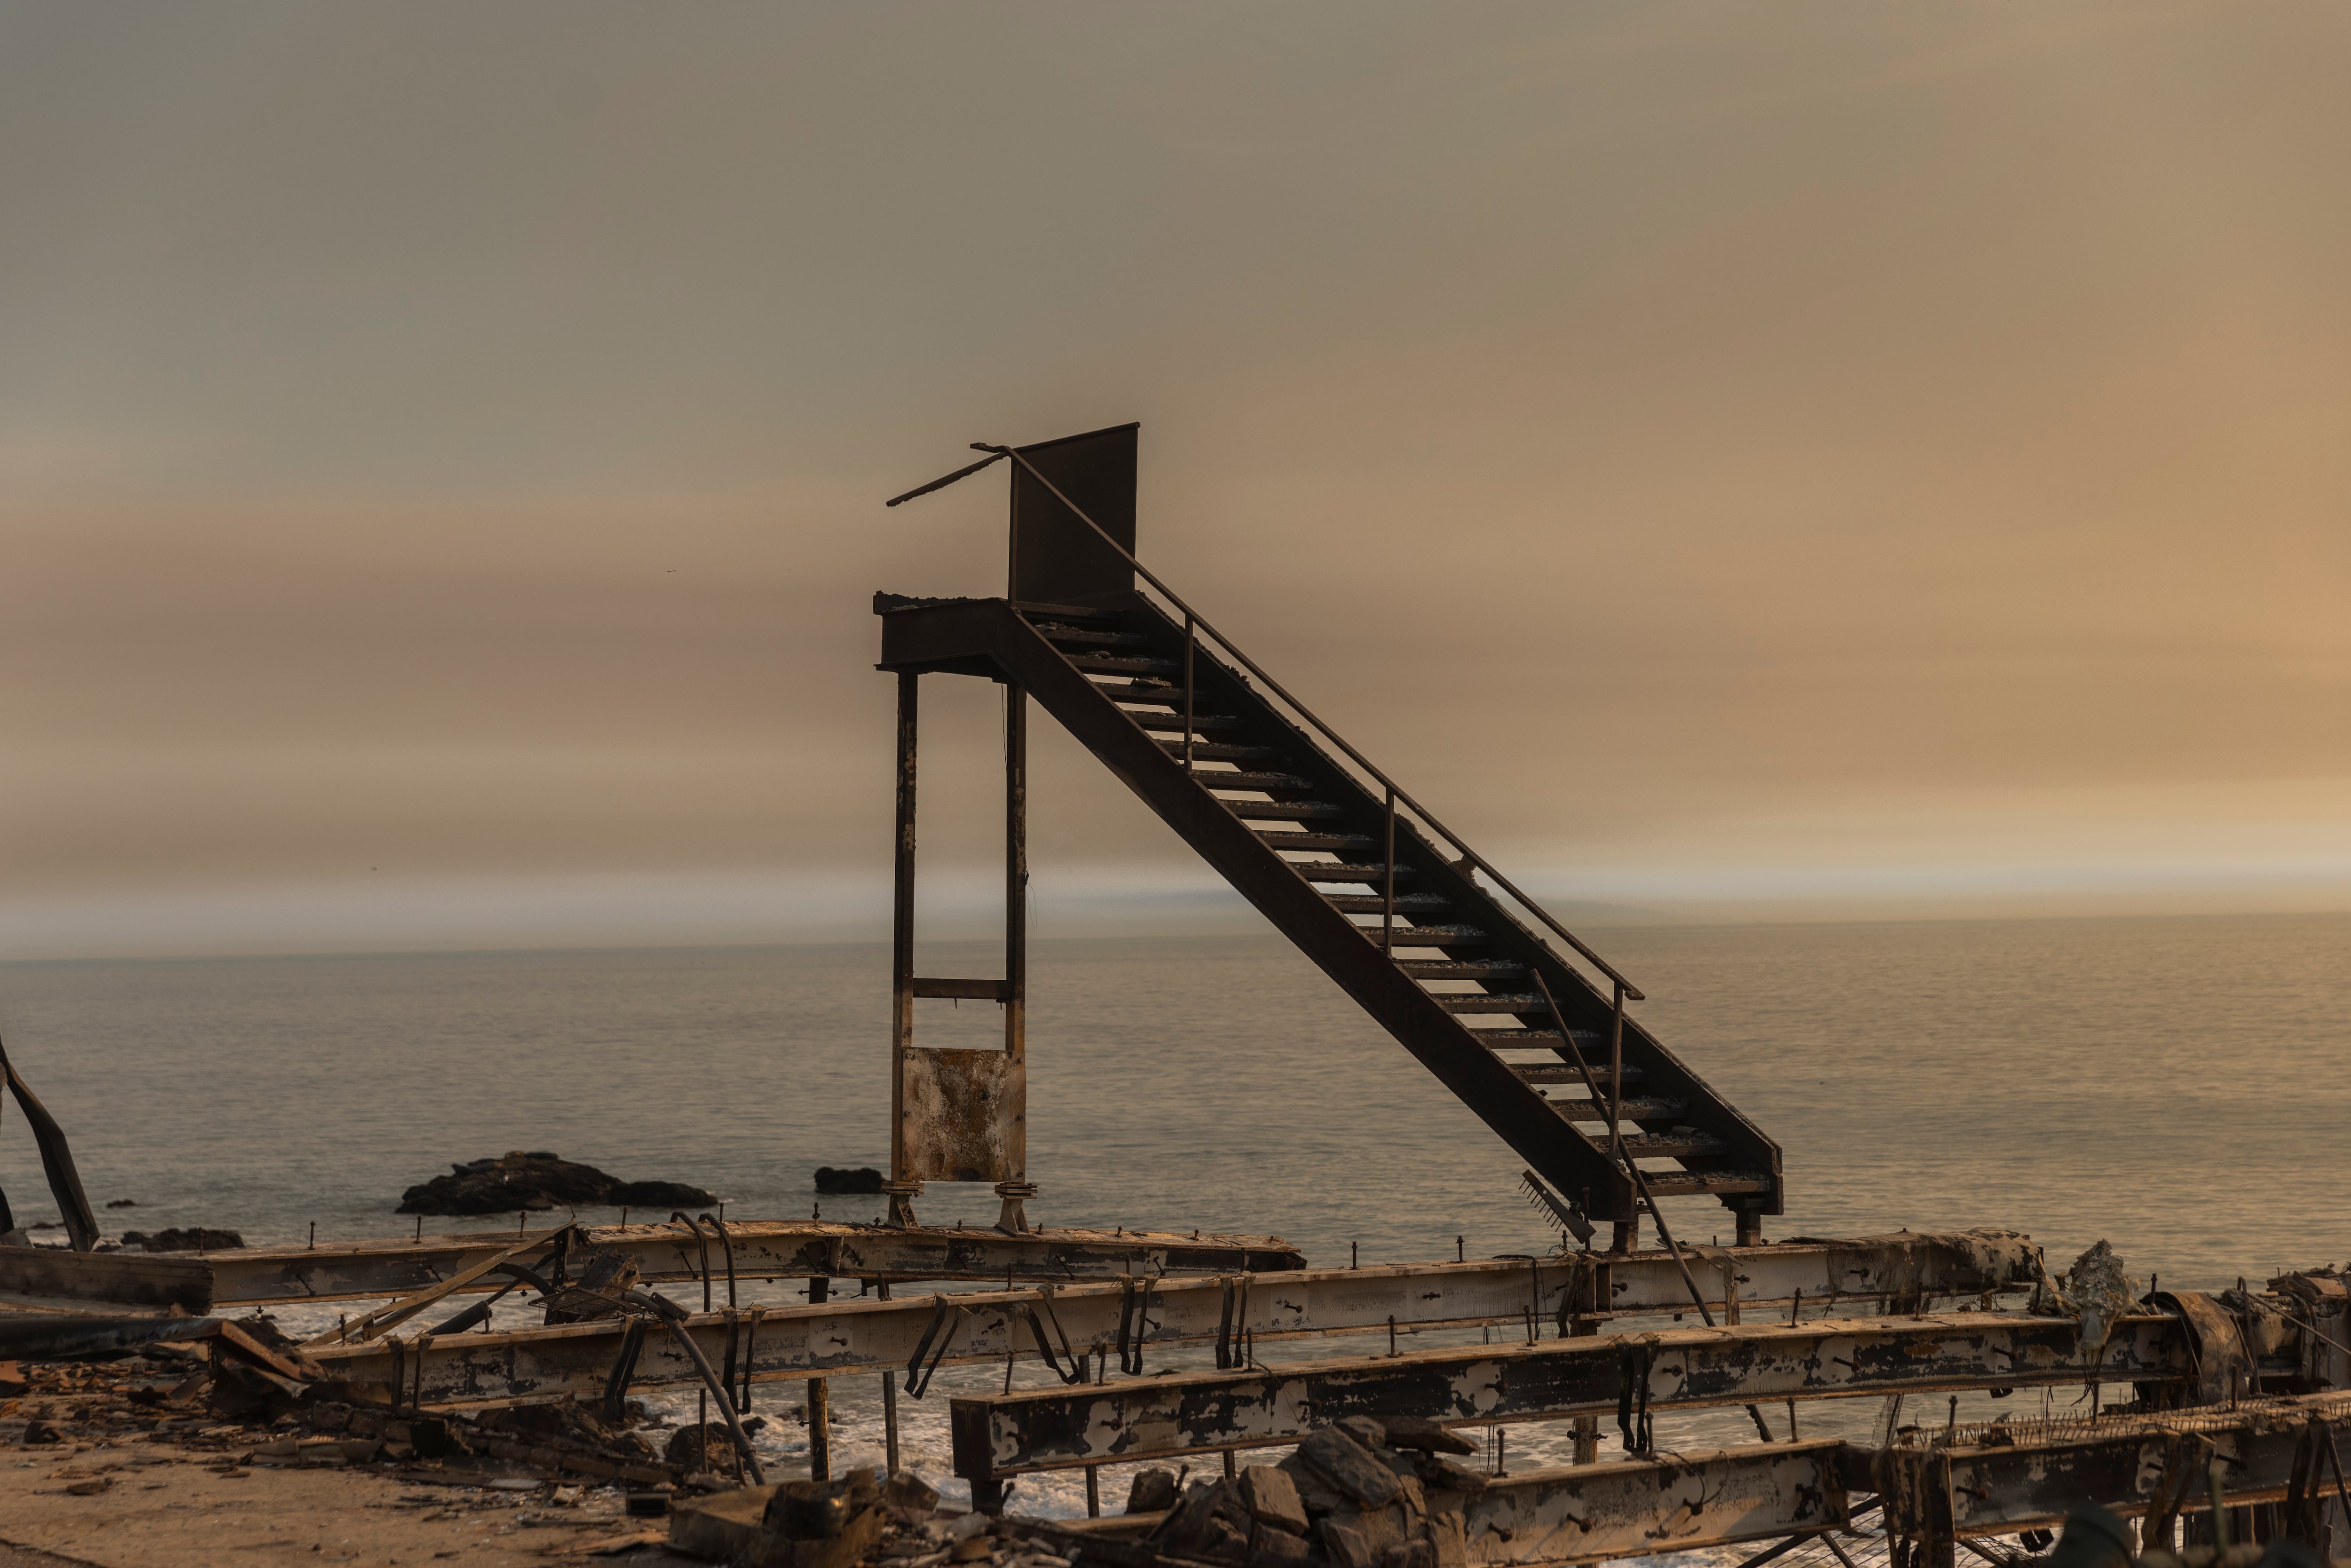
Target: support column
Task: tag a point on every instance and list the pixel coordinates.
(820, 1404)
(903, 1190)
(1016, 1188)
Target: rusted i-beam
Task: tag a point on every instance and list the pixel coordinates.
(1162, 1417)
(874, 1333)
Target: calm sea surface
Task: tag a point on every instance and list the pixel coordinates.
(2177, 1086)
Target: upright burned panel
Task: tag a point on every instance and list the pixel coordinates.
(1056, 558)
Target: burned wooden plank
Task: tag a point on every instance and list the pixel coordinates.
(1987, 1479)
(1157, 1418)
(862, 1334)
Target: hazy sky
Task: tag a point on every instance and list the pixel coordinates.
(1810, 459)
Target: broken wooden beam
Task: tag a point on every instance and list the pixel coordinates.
(1164, 1417)
(869, 1334)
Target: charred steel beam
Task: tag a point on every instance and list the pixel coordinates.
(871, 1334)
(763, 1249)
(1983, 1480)
(1587, 1513)
(1164, 1416)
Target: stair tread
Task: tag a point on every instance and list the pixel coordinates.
(1491, 1002)
(1125, 663)
(1547, 1038)
(1157, 722)
(1284, 810)
(1637, 1108)
(1461, 969)
(1669, 1146)
(1090, 636)
(1242, 779)
(1341, 870)
(1565, 1072)
(1374, 903)
(1429, 936)
(1275, 839)
(1220, 751)
(1685, 1184)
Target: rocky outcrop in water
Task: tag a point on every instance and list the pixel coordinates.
(537, 1181)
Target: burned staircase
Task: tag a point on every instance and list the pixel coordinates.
(1367, 883)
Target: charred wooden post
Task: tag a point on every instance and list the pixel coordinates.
(901, 1187)
(1016, 1188)
(819, 1403)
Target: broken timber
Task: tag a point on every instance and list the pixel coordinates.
(1160, 1417)
(866, 1334)
(762, 1249)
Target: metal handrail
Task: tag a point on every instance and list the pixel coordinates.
(1194, 618)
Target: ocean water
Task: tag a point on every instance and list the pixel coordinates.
(2175, 1086)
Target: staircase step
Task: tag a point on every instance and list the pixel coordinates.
(1565, 1072)
(1461, 969)
(1370, 903)
(1061, 635)
(1694, 1183)
(1033, 612)
(1282, 810)
(1491, 1002)
(1636, 1109)
(1237, 779)
(1670, 1145)
(1429, 936)
(1586, 1039)
(1336, 842)
(1220, 751)
(1173, 723)
(1162, 693)
(1337, 871)
(1126, 664)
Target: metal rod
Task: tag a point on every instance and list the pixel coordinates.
(1332, 736)
(1094, 1490)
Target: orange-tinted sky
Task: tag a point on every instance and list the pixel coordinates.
(1808, 460)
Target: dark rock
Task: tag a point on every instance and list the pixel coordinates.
(1274, 1548)
(658, 1194)
(41, 1432)
(1409, 1554)
(1419, 1432)
(1373, 1434)
(1438, 1472)
(1271, 1498)
(863, 1178)
(702, 1448)
(1342, 1461)
(1346, 1547)
(196, 1238)
(1319, 1495)
(1153, 1491)
(123, 1203)
(538, 1180)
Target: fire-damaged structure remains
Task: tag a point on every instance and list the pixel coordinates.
(2210, 1422)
